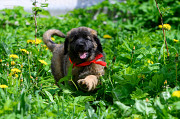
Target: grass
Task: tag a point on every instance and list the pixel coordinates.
(138, 83)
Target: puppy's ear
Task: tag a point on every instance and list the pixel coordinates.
(66, 46)
(94, 33)
(99, 46)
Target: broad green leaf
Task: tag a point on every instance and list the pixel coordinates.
(176, 105)
(143, 107)
(90, 111)
(49, 96)
(139, 57)
(138, 94)
(165, 95)
(126, 110)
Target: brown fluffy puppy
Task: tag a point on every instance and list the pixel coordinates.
(81, 45)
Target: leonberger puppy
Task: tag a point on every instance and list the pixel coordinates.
(83, 49)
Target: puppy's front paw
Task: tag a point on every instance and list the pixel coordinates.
(85, 85)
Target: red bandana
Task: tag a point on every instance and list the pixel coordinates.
(90, 62)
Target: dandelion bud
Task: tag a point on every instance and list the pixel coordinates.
(176, 58)
(133, 47)
(165, 82)
(12, 63)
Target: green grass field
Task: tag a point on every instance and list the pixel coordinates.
(141, 81)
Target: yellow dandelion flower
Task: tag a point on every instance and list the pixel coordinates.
(24, 50)
(0, 60)
(12, 63)
(160, 26)
(3, 86)
(53, 39)
(165, 82)
(165, 26)
(15, 70)
(13, 56)
(44, 46)
(150, 62)
(30, 41)
(38, 41)
(43, 62)
(16, 75)
(175, 40)
(107, 36)
(176, 94)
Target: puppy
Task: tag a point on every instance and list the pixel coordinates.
(83, 49)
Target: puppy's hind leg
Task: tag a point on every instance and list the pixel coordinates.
(56, 66)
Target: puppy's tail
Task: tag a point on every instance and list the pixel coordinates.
(47, 38)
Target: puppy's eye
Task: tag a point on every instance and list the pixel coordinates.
(73, 40)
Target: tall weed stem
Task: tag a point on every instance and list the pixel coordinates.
(176, 62)
(29, 67)
(132, 53)
(165, 42)
(35, 14)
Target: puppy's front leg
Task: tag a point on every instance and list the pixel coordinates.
(89, 83)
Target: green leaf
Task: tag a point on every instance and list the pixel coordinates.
(126, 46)
(49, 96)
(45, 12)
(143, 107)
(153, 50)
(44, 4)
(158, 80)
(165, 95)
(126, 110)
(66, 91)
(138, 94)
(161, 52)
(176, 105)
(146, 70)
(139, 57)
(4, 46)
(121, 92)
(90, 111)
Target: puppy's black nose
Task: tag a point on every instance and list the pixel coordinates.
(80, 45)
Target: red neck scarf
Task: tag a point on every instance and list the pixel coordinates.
(90, 62)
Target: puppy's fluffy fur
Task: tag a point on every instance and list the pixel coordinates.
(81, 45)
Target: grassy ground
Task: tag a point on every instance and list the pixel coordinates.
(141, 80)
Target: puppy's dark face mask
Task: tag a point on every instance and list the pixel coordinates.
(82, 46)
(81, 43)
